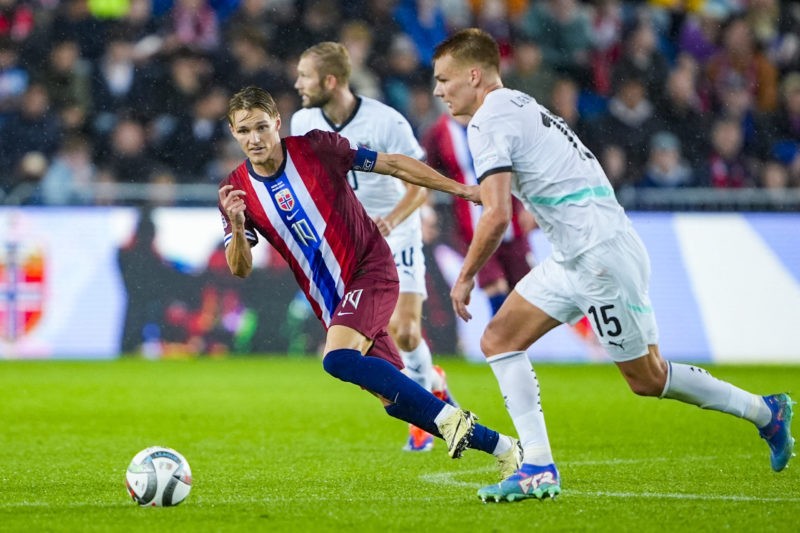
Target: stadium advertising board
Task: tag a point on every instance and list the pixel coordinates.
(97, 282)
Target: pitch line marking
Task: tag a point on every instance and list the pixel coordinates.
(449, 479)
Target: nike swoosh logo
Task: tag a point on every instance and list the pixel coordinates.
(292, 215)
(340, 313)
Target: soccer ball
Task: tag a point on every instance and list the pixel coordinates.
(158, 477)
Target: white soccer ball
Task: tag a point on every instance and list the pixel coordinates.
(158, 477)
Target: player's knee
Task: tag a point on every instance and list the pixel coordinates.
(407, 337)
(645, 387)
(341, 364)
(491, 341)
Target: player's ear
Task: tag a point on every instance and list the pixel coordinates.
(475, 76)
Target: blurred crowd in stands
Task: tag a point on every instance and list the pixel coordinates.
(667, 93)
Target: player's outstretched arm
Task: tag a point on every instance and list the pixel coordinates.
(237, 253)
(418, 173)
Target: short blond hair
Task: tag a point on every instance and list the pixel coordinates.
(471, 45)
(331, 59)
(252, 98)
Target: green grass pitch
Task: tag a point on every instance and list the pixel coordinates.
(275, 444)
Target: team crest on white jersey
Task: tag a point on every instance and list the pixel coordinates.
(284, 199)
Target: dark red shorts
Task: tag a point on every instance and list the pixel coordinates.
(510, 262)
(366, 307)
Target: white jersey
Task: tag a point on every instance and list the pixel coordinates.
(554, 175)
(382, 129)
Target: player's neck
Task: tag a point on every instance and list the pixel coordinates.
(493, 86)
(340, 107)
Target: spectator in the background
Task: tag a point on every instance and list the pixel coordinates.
(191, 24)
(614, 161)
(199, 133)
(563, 100)
(726, 166)
(27, 178)
(116, 83)
(254, 16)
(606, 44)
(699, 33)
(785, 50)
(678, 111)
(253, 64)
(493, 17)
(70, 178)
(357, 38)
(774, 176)
(67, 76)
(74, 21)
(404, 71)
(423, 21)
(740, 55)
(129, 157)
(665, 166)
(188, 75)
(380, 17)
(32, 128)
(563, 30)
(641, 56)
(628, 123)
(321, 21)
(529, 74)
(736, 103)
(782, 129)
(17, 20)
(14, 78)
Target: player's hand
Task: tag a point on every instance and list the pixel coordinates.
(232, 201)
(472, 193)
(460, 296)
(384, 226)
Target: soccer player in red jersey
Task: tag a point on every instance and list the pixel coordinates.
(294, 193)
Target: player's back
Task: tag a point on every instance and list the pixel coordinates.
(377, 127)
(553, 173)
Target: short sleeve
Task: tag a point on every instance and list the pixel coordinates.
(490, 148)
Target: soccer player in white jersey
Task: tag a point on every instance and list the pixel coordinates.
(323, 82)
(598, 268)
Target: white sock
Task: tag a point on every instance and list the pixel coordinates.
(419, 364)
(520, 390)
(694, 385)
(446, 411)
(504, 443)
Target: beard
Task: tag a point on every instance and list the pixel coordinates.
(318, 100)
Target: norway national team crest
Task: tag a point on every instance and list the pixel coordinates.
(285, 199)
(22, 282)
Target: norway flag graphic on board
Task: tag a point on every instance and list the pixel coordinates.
(22, 280)
(285, 199)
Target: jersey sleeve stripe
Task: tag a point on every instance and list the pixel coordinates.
(491, 171)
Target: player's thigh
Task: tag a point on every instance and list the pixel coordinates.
(343, 337)
(408, 309)
(516, 326)
(612, 286)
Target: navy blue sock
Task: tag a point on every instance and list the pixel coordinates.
(411, 402)
(496, 301)
(483, 439)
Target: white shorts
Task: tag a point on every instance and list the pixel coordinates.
(609, 284)
(407, 253)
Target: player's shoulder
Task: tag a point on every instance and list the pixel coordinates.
(378, 111)
(500, 109)
(236, 175)
(304, 119)
(323, 140)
